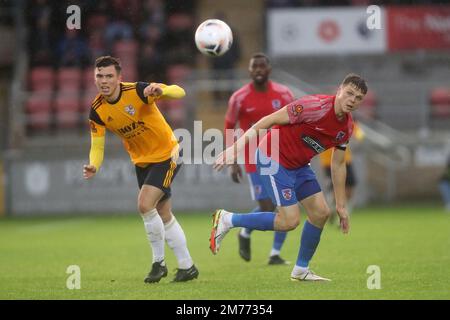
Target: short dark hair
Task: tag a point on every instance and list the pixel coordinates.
(261, 55)
(355, 80)
(106, 61)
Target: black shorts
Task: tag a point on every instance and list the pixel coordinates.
(159, 175)
(350, 180)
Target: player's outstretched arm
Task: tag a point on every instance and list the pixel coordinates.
(229, 156)
(338, 176)
(159, 90)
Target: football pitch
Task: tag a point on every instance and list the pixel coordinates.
(409, 244)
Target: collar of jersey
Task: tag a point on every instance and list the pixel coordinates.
(118, 98)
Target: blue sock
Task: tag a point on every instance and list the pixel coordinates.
(278, 239)
(249, 231)
(259, 220)
(310, 240)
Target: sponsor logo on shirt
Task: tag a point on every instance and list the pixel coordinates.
(313, 144)
(131, 128)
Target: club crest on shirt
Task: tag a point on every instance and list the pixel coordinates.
(276, 104)
(287, 193)
(296, 109)
(130, 110)
(340, 135)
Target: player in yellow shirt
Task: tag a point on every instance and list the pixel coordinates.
(129, 110)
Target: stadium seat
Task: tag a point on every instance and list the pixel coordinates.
(178, 73)
(88, 78)
(67, 109)
(86, 101)
(129, 73)
(42, 79)
(69, 79)
(97, 21)
(180, 21)
(126, 49)
(38, 110)
(440, 102)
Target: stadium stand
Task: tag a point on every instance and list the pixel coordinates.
(134, 31)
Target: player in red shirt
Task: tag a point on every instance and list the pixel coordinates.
(303, 128)
(246, 106)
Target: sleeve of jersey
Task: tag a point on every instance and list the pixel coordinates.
(140, 86)
(172, 92)
(98, 132)
(305, 110)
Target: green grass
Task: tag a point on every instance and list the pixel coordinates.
(410, 244)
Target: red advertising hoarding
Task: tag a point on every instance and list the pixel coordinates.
(418, 27)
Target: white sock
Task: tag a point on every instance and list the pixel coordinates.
(227, 219)
(176, 240)
(298, 270)
(155, 233)
(274, 252)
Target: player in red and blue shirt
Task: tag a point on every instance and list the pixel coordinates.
(300, 130)
(247, 106)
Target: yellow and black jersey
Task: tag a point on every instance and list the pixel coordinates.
(137, 120)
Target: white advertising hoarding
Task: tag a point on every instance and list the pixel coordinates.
(325, 31)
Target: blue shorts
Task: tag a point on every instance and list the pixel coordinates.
(286, 187)
(257, 189)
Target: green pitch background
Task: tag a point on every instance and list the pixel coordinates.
(410, 244)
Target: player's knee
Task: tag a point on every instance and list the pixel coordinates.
(145, 206)
(292, 223)
(324, 213)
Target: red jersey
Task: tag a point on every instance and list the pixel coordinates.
(313, 128)
(247, 106)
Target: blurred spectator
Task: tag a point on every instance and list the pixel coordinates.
(40, 34)
(73, 50)
(178, 39)
(97, 44)
(152, 34)
(444, 186)
(151, 64)
(117, 29)
(153, 13)
(282, 3)
(185, 6)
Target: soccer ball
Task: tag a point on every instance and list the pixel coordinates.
(213, 37)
